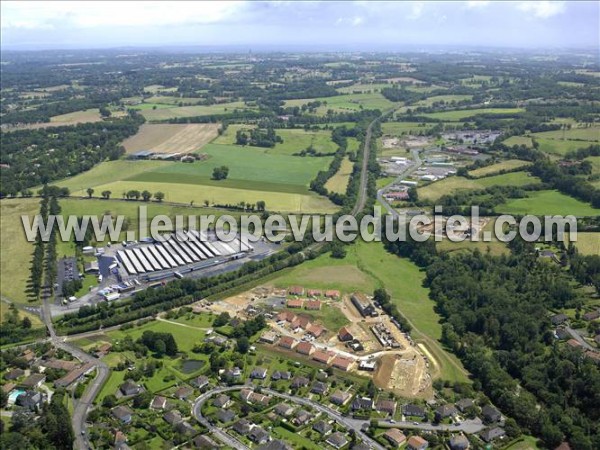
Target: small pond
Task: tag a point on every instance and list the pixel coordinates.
(191, 365)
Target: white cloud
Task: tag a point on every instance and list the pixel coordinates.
(542, 9)
(91, 14)
(477, 3)
(416, 10)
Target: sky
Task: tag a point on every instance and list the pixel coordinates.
(361, 25)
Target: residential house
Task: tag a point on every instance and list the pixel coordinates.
(74, 375)
(558, 319)
(386, 406)
(315, 330)
(561, 333)
(59, 364)
(122, 413)
(592, 315)
(183, 392)
(332, 294)
(258, 435)
(120, 441)
(221, 401)
(322, 427)
(301, 417)
(300, 323)
(314, 293)
(286, 316)
(158, 402)
(337, 440)
(305, 348)
(287, 342)
(344, 335)
(242, 427)
(395, 437)
(234, 373)
(258, 373)
(573, 343)
(281, 375)
(31, 400)
(200, 381)
(130, 388)
(300, 381)
(416, 443)
(28, 355)
(296, 290)
(6, 388)
(205, 443)
(173, 417)
(490, 414)
(284, 410)
(14, 374)
(275, 444)
(340, 398)
(465, 404)
(322, 356)
(413, 411)
(33, 381)
(225, 415)
(362, 403)
(312, 305)
(459, 442)
(360, 446)
(295, 303)
(185, 428)
(103, 349)
(445, 411)
(492, 433)
(319, 388)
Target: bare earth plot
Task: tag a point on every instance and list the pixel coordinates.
(171, 138)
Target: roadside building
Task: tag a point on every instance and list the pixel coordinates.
(340, 398)
(395, 437)
(344, 335)
(287, 342)
(363, 304)
(416, 443)
(337, 440)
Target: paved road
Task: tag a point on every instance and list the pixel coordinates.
(575, 335)
(102, 373)
(347, 422)
(219, 434)
(402, 175)
(467, 426)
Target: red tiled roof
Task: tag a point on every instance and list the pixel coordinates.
(306, 348)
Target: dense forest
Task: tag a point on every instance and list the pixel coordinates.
(496, 313)
(35, 157)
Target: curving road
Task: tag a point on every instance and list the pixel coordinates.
(466, 426)
(349, 423)
(102, 373)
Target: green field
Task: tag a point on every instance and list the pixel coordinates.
(443, 98)
(595, 160)
(281, 180)
(89, 115)
(346, 102)
(16, 251)
(294, 140)
(559, 147)
(454, 184)
(494, 168)
(588, 243)
(518, 140)
(109, 171)
(399, 128)
(582, 134)
(339, 181)
(547, 202)
(187, 111)
(455, 116)
(364, 87)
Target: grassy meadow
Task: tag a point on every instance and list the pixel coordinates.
(455, 116)
(547, 202)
